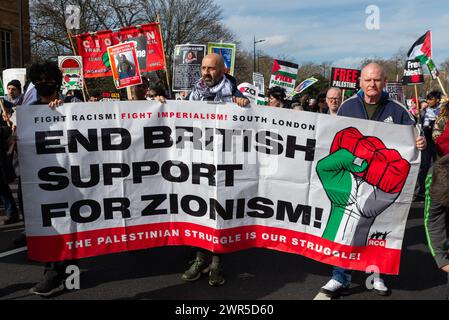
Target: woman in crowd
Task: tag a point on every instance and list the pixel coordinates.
(276, 97)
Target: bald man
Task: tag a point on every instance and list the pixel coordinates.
(215, 84)
(371, 103)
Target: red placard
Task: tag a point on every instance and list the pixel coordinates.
(345, 78)
(124, 65)
(93, 48)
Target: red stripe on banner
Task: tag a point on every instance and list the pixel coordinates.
(105, 241)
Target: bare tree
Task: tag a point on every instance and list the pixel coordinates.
(182, 21)
(186, 21)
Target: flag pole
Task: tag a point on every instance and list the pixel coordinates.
(163, 53)
(74, 52)
(417, 104)
(441, 85)
(342, 95)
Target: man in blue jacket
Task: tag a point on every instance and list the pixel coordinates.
(371, 103)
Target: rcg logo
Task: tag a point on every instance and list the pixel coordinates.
(378, 239)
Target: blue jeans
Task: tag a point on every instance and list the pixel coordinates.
(343, 276)
(8, 201)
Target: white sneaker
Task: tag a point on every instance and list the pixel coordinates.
(333, 288)
(380, 288)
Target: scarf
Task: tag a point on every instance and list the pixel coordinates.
(221, 92)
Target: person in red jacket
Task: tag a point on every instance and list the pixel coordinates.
(442, 143)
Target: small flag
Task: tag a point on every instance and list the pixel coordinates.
(304, 85)
(421, 49)
(432, 69)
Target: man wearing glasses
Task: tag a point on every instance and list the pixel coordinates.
(333, 100)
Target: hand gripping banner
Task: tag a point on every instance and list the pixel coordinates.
(108, 177)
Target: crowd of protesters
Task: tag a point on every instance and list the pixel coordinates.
(371, 103)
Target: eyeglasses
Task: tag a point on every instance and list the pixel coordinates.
(333, 99)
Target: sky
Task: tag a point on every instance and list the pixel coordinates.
(336, 31)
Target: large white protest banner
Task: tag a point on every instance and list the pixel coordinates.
(108, 177)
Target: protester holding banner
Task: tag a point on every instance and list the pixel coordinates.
(276, 97)
(215, 85)
(156, 93)
(47, 79)
(95, 96)
(437, 213)
(371, 103)
(140, 91)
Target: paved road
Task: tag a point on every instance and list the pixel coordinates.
(251, 274)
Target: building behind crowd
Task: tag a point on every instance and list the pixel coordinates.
(15, 51)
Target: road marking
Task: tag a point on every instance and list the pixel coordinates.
(10, 253)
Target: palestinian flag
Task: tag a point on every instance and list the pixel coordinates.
(2, 92)
(421, 49)
(284, 75)
(285, 68)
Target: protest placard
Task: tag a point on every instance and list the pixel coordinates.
(14, 74)
(227, 51)
(110, 96)
(124, 65)
(72, 73)
(304, 85)
(259, 82)
(187, 66)
(100, 178)
(93, 48)
(284, 75)
(249, 90)
(345, 78)
(413, 73)
(395, 91)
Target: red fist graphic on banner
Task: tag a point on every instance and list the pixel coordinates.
(361, 178)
